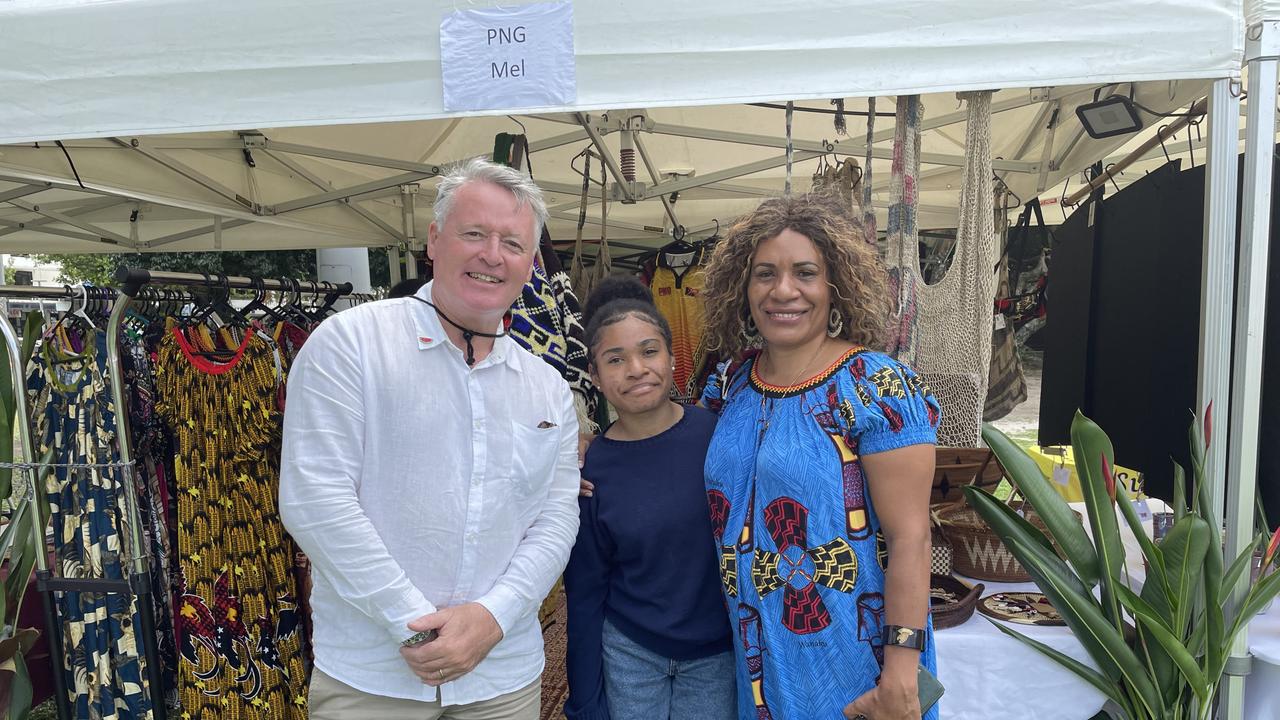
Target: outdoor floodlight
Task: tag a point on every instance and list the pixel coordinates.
(1113, 115)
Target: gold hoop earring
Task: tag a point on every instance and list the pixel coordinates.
(835, 323)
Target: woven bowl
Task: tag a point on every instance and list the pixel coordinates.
(952, 600)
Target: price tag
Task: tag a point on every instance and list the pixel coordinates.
(998, 321)
(1062, 475)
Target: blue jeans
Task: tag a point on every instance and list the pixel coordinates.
(643, 684)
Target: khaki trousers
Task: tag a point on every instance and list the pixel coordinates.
(329, 699)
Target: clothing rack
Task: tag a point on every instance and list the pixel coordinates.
(133, 279)
(132, 282)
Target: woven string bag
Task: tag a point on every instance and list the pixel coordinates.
(944, 329)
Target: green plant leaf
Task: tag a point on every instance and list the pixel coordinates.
(1242, 561)
(1263, 592)
(1105, 643)
(1195, 642)
(1007, 524)
(1179, 491)
(1215, 595)
(1058, 517)
(1163, 668)
(21, 563)
(1185, 662)
(1135, 604)
(1155, 558)
(21, 692)
(1091, 445)
(1184, 550)
(9, 535)
(1197, 448)
(1105, 686)
(31, 327)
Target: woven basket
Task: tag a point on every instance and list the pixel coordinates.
(956, 467)
(950, 614)
(978, 551)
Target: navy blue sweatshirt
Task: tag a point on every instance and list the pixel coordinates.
(644, 558)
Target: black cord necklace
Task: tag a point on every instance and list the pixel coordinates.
(467, 333)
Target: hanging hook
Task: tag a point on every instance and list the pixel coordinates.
(1062, 201)
(1160, 137)
(1191, 148)
(1107, 171)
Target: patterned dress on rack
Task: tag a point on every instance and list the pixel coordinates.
(238, 621)
(798, 538)
(677, 292)
(75, 420)
(152, 451)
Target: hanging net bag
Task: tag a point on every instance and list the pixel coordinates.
(944, 329)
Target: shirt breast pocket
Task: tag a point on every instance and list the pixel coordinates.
(533, 457)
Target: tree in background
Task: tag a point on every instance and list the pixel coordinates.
(300, 264)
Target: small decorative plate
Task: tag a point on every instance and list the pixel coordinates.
(1025, 608)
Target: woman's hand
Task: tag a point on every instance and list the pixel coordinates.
(895, 698)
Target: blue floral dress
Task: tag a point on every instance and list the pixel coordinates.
(801, 553)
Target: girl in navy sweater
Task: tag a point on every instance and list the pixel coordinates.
(648, 633)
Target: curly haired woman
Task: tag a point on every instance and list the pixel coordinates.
(819, 471)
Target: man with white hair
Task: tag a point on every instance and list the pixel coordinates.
(430, 472)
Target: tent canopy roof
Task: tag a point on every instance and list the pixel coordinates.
(339, 105)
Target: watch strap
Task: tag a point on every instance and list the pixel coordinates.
(906, 637)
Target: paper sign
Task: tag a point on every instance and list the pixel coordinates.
(1061, 475)
(503, 58)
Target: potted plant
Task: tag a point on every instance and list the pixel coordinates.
(1160, 652)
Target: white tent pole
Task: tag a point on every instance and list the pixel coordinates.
(393, 264)
(408, 196)
(1262, 49)
(1218, 269)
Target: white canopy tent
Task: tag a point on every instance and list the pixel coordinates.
(86, 69)
(157, 100)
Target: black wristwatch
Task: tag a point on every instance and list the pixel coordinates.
(904, 637)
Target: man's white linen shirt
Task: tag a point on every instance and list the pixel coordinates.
(415, 483)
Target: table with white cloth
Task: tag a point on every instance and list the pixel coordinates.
(991, 676)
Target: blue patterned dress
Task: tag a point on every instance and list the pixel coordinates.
(75, 421)
(801, 553)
